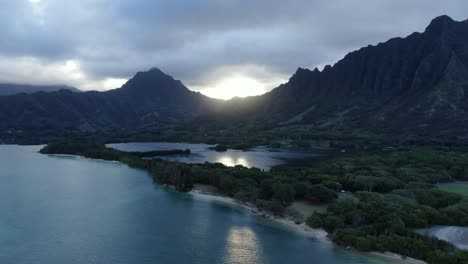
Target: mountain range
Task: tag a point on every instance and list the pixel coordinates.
(10, 89)
(415, 85)
(150, 99)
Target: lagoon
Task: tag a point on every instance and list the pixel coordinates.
(259, 157)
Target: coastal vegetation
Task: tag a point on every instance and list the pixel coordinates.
(375, 200)
(158, 153)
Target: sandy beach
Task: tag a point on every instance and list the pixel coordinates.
(396, 258)
(303, 228)
(317, 233)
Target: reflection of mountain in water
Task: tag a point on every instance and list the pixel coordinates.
(456, 235)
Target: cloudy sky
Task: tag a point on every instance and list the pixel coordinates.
(220, 47)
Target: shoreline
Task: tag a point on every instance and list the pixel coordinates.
(83, 157)
(317, 233)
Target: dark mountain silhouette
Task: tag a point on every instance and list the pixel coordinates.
(417, 84)
(149, 99)
(9, 88)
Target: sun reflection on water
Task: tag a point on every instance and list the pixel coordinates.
(243, 246)
(233, 161)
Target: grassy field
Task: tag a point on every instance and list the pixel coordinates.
(457, 187)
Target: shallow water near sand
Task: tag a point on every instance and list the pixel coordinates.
(57, 209)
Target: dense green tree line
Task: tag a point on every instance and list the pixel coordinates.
(385, 222)
(387, 171)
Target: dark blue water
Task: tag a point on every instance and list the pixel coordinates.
(68, 210)
(260, 157)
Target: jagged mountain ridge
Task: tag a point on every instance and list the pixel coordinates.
(416, 84)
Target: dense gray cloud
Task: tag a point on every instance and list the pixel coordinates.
(97, 44)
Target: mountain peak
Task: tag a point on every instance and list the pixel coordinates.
(155, 70)
(302, 70)
(440, 24)
(300, 74)
(152, 72)
(153, 81)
